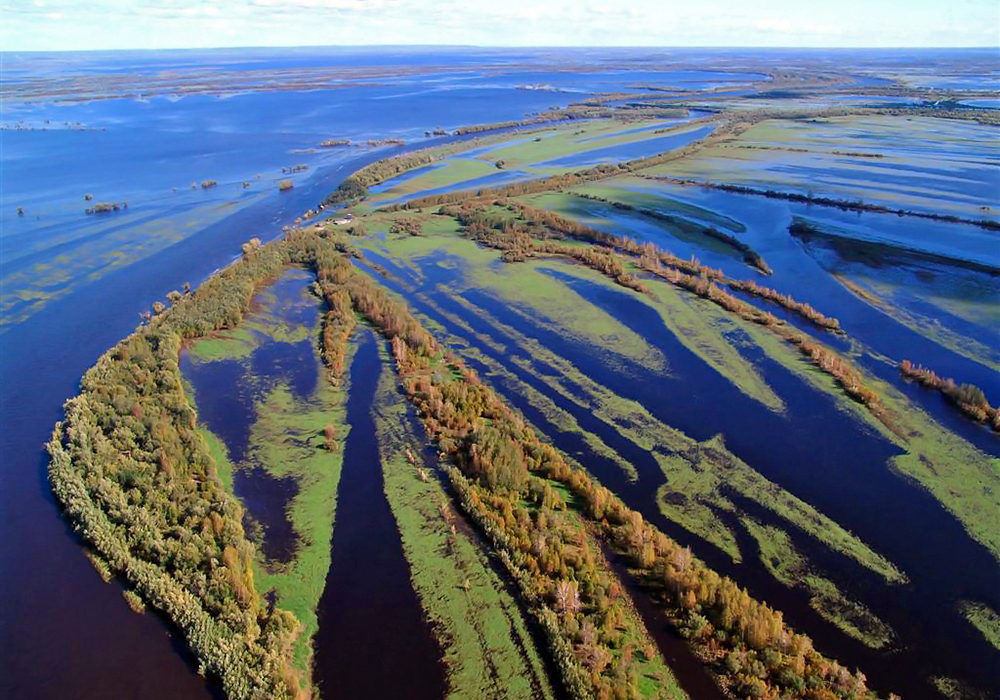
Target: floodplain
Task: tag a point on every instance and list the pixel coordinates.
(608, 401)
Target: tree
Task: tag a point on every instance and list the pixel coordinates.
(250, 246)
(567, 595)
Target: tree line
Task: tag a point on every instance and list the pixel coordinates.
(842, 204)
(504, 473)
(751, 256)
(140, 487)
(969, 398)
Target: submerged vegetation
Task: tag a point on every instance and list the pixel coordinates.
(843, 204)
(142, 488)
(509, 540)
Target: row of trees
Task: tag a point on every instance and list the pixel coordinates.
(504, 475)
(139, 485)
(842, 204)
(518, 241)
(578, 231)
(969, 398)
(751, 256)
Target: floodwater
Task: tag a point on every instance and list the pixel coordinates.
(368, 587)
(73, 285)
(72, 635)
(826, 458)
(373, 640)
(227, 392)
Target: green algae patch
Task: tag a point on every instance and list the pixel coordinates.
(488, 650)
(985, 619)
(793, 569)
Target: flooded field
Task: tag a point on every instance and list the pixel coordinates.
(616, 395)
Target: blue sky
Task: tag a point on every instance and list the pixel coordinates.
(115, 24)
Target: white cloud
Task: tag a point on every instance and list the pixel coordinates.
(185, 23)
(773, 25)
(352, 5)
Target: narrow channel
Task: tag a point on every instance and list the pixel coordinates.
(373, 640)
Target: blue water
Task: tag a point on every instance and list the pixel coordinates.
(989, 104)
(72, 285)
(798, 274)
(148, 154)
(69, 634)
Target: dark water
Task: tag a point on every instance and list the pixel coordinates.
(825, 457)
(71, 635)
(800, 273)
(373, 640)
(227, 392)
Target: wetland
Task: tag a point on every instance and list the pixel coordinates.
(547, 401)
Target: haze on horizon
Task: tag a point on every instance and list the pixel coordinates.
(53, 25)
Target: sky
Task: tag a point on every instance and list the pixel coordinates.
(50, 25)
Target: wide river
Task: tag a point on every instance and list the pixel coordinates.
(73, 284)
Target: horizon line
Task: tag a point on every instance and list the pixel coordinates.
(510, 47)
